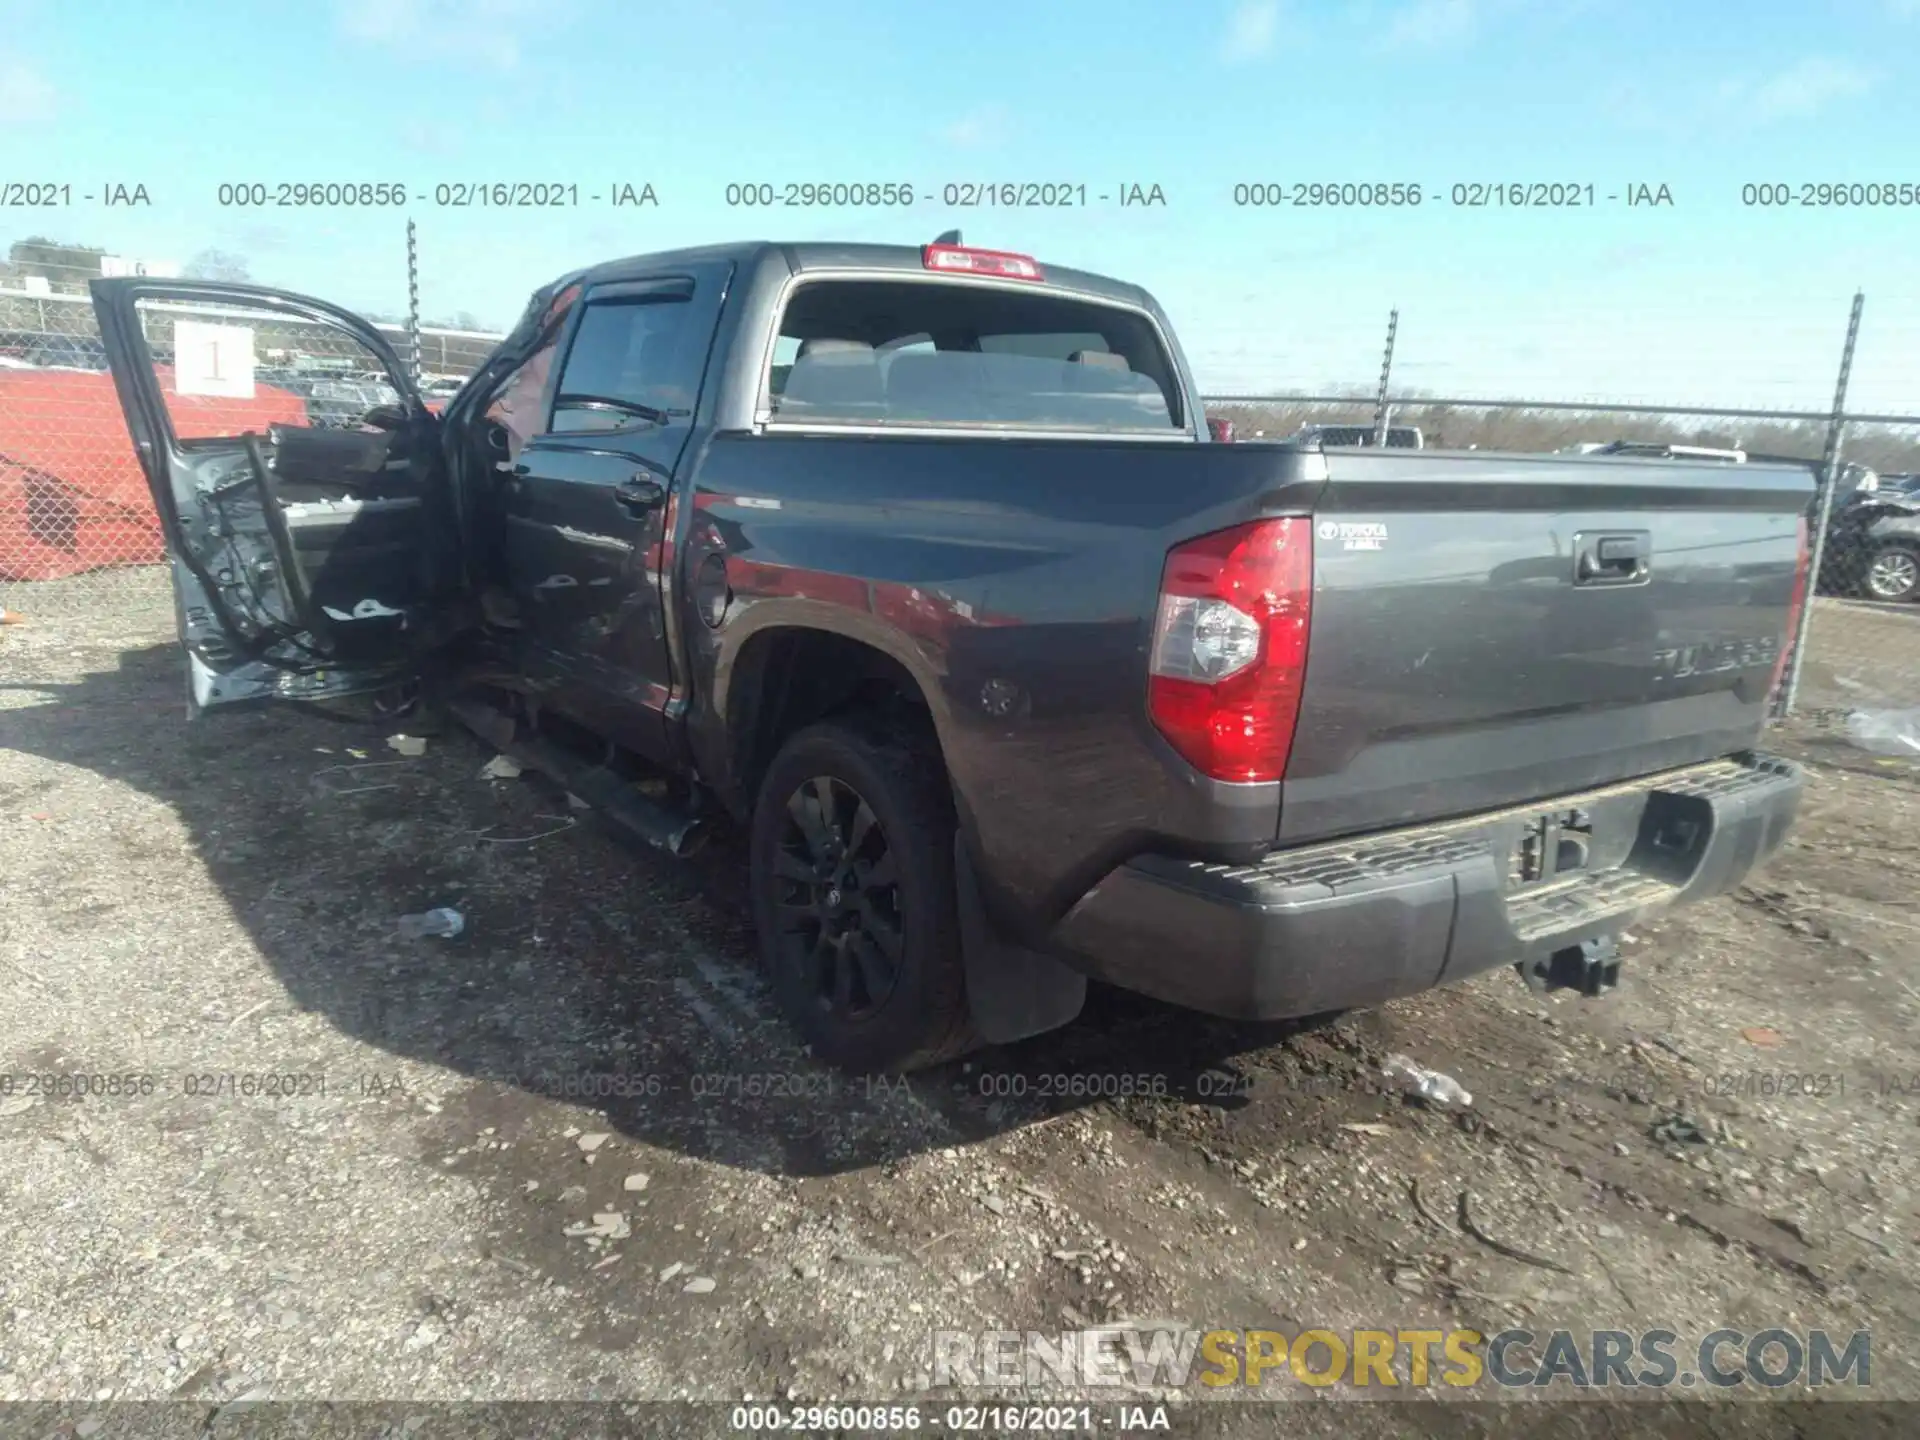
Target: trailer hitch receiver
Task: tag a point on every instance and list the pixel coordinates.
(1592, 967)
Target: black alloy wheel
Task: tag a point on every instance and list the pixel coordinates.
(840, 914)
(854, 895)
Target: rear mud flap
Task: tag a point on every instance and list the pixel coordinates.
(1012, 992)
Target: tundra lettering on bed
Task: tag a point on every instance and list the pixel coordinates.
(924, 565)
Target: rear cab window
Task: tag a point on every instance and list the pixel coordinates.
(920, 353)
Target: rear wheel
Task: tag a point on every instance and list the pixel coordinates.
(1893, 573)
(853, 894)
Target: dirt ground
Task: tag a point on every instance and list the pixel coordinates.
(202, 904)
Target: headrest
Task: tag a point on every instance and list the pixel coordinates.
(838, 351)
(833, 373)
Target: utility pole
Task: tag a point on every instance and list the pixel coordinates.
(1829, 483)
(1380, 410)
(413, 307)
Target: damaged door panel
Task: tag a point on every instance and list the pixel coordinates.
(589, 498)
(304, 500)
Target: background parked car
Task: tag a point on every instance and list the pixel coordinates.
(1399, 437)
(1873, 543)
(339, 401)
(66, 352)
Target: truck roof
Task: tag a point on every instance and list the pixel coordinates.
(834, 255)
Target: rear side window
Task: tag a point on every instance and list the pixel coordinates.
(938, 353)
(632, 362)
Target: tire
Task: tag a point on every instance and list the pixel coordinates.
(1893, 573)
(859, 928)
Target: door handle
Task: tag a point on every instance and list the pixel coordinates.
(1620, 558)
(639, 492)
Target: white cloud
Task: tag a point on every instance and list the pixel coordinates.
(26, 95)
(426, 137)
(978, 129)
(1807, 88)
(1428, 23)
(1686, 112)
(490, 33)
(1251, 31)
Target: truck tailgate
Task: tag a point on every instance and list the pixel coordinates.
(1492, 629)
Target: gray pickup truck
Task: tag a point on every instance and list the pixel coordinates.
(920, 564)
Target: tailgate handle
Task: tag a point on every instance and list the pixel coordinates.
(1621, 557)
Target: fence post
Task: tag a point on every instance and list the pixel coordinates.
(1829, 482)
(413, 307)
(1386, 371)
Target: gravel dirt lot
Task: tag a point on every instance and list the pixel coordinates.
(414, 1213)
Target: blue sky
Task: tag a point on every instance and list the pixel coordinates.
(1704, 301)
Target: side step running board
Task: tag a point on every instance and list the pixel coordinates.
(662, 826)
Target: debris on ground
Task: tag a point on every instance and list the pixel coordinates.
(439, 921)
(11, 617)
(1679, 1130)
(1407, 1278)
(1765, 1036)
(606, 1225)
(1430, 1085)
(329, 789)
(1885, 732)
(635, 1182)
(1367, 1127)
(567, 822)
(1512, 1252)
(1426, 1213)
(699, 1285)
(409, 745)
(593, 1142)
(501, 767)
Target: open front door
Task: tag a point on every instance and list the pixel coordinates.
(300, 483)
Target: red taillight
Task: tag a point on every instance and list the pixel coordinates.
(1230, 647)
(1003, 263)
(1220, 428)
(1795, 604)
